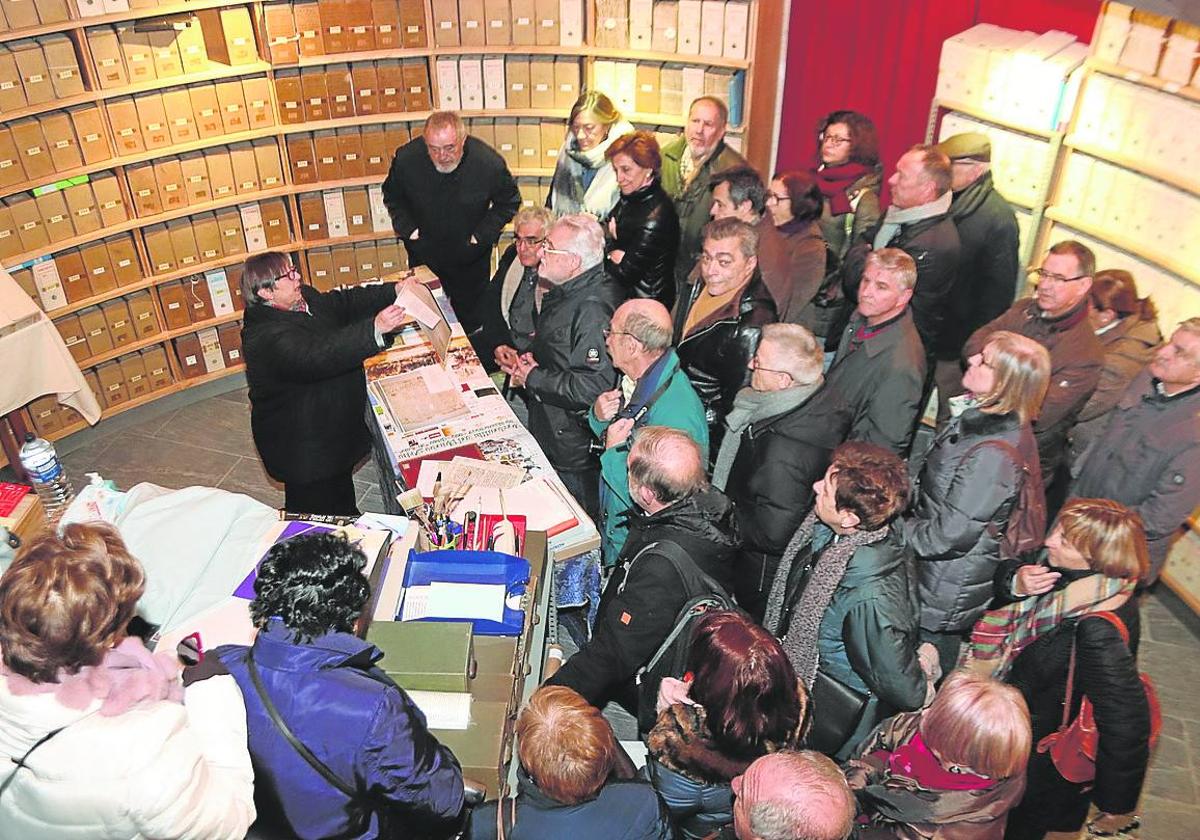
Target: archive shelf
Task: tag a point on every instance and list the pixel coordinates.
(1128, 244)
(1169, 177)
(763, 47)
(1124, 73)
(984, 116)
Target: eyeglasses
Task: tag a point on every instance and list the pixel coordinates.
(291, 274)
(772, 198)
(834, 140)
(607, 331)
(1044, 276)
(530, 241)
(756, 366)
(548, 248)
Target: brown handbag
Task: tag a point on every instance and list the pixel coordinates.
(1072, 746)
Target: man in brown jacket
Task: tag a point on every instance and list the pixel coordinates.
(1056, 317)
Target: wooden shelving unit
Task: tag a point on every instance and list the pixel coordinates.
(759, 68)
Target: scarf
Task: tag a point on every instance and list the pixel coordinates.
(800, 637)
(1001, 634)
(835, 181)
(899, 216)
(129, 674)
(750, 406)
(599, 194)
(914, 761)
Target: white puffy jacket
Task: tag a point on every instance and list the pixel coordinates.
(161, 770)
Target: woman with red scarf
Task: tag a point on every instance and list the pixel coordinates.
(953, 770)
(848, 174)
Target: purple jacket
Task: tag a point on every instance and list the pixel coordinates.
(357, 721)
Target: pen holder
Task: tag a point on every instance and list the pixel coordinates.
(427, 541)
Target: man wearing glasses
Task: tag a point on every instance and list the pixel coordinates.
(567, 365)
(449, 196)
(1057, 318)
(512, 301)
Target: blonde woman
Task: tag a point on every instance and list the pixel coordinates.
(970, 483)
(1095, 556)
(583, 180)
(953, 770)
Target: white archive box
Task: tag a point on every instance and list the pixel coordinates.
(447, 81)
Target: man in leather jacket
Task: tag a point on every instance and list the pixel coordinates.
(717, 327)
(568, 365)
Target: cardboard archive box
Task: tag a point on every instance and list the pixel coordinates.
(195, 177)
(53, 207)
(89, 131)
(174, 305)
(109, 201)
(232, 102)
(290, 95)
(208, 236)
(95, 331)
(63, 65)
(187, 351)
(302, 156)
(282, 38)
(157, 370)
(158, 247)
(181, 122)
(206, 110)
(256, 92)
(108, 57)
(141, 315)
(120, 327)
(112, 384)
(61, 143)
(30, 141)
(228, 35)
(73, 336)
(308, 28)
(230, 338)
(73, 275)
(328, 161)
(127, 128)
(171, 186)
(233, 239)
(339, 88)
(133, 371)
(81, 205)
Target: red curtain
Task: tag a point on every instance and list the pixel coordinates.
(880, 57)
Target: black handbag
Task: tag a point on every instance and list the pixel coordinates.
(838, 710)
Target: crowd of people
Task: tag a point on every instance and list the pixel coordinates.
(820, 632)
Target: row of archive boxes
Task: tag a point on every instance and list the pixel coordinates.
(651, 88)
(715, 28)
(38, 72)
(524, 144)
(186, 114)
(172, 183)
(481, 23)
(330, 155)
(59, 212)
(351, 264)
(337, 214)
(76, 274)
(229, 232)
(16, 15)
(327, 27)
(209, 350)
(496, 83)
(338, 91)
(38, 148)
(113, 324)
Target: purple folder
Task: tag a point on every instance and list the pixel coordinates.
(294, 529)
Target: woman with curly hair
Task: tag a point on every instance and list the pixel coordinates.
(742, 701)
(96, 739)
(307, 670)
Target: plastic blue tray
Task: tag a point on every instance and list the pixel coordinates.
(489, 567)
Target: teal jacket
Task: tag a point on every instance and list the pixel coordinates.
(677, 407)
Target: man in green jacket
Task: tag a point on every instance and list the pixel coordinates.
(689, 163)
(653, 391)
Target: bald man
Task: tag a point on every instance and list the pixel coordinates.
(674, 505)
(653, 391)
(792, 796)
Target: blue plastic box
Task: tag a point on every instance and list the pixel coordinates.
(489, 567)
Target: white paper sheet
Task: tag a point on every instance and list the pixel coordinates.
(444, 709)
(466, 600)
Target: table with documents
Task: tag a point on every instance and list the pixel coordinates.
(433, 406)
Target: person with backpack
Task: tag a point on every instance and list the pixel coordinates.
(741, 700)
(1067, 637)
(339, 750)
(681, 545)
(980, 485)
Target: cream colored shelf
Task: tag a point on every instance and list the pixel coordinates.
(1118, 72)
(86, 97)
(142, 157)
(976, 113)
(1124, 243)
(1169, 177)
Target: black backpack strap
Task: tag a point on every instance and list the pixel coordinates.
(685, 565)
(304, 751)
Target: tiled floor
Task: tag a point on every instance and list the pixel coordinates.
(204, 438)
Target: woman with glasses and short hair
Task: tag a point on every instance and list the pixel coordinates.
(792, 247)
(583, 181)
(304, 351)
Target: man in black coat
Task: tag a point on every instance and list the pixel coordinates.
(449, 196)
(640, 604)
(988, 265)
(918, 223)
(782, 430)
(304, 351)
(567, 366)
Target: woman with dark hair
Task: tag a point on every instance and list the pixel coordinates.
(574, 779)
(308, 672)
(971, 481)
(1070, 629)
(742, 702)
(1127, 327)
(95, 736)
(953, 770)
(791, 247)
(644, 228)
(583, 181)
(848, 174)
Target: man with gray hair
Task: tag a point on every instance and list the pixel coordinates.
(880, 364)
(788, 795)
(449, 196)
(1148, 457)
(653, 391)
(781, 431)
(681, 544)
(567, 365)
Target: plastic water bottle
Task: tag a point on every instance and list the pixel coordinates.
(47, 475)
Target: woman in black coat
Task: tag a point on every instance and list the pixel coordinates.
(1096, 553)
(970, 483)
(644, 227)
